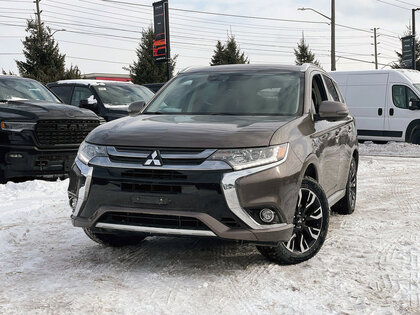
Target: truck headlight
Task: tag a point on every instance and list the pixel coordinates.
(246, 158)
(88, 151)
(17, 126)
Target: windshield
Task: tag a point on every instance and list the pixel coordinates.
(14, 89)
(122, 94)
(237, 93)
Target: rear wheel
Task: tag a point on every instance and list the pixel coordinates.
(310, 227)
(415, 138)
(348, 203)
(112, 239)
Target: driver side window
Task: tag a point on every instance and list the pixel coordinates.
(402, 95)
(318, 92)
(80, 93)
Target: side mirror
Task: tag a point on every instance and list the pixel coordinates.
(333, 110)
(135, 108)
(89, 103)
(414, 104)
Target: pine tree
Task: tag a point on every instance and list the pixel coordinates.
(218, 55)
(145, 69)
(43, 59)
(72, 73)
(303, 54)
(229, 53)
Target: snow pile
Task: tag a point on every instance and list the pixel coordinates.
(390, 149)
(368, 264)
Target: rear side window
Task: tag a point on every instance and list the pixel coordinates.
(402, 95)
(63, 92)
(332, 91)
(80, 93)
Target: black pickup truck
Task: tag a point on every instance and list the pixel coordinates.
(39, 136)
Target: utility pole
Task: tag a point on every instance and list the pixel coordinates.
(375, 43)
(38, 13)
(413, 32)
(333, 68)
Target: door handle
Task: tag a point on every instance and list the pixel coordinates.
(380, 111)
(391, 112)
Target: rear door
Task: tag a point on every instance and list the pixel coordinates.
(366, 98)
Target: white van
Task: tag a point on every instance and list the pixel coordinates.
(385, 103)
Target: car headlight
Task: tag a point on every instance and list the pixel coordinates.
(16, 126)
(88, 151)
(246, 158)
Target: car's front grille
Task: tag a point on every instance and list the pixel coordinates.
(168, 156)
(63, 132)
(152, 220)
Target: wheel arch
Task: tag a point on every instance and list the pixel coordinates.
(412, 127)
(310, 168)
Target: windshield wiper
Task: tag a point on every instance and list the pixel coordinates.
(153, 113)
(4, 101)
(224, 114)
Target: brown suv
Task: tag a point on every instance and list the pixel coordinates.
(248, 153)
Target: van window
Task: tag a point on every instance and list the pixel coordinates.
(331, 89)
(402, 95)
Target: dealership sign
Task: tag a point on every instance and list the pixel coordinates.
(408, 51)
(161, 48)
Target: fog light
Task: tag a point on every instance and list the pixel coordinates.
(267, 215)
(15, 155)
(73, 202)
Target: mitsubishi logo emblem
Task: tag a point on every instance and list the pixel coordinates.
(154, 159)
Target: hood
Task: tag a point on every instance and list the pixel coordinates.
(36, 110)
(192, 131)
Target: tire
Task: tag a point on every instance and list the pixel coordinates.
(380, 142)
(415, 138)
(112, 239)
(348, 203)
(309, 236)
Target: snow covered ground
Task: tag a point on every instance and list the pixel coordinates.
(369, 263)
(390, 149)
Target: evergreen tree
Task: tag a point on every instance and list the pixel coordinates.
(303, 54)
(145, 69)
(72, 73)
(229, 53)
(218, 56)
(43, 59)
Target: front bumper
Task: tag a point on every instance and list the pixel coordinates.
(214, 201)
(29, 161)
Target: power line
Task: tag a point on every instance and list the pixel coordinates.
(394, 5)
(223, 14)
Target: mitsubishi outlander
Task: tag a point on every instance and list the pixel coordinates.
(253, 153)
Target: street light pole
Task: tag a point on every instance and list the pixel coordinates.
(332, 19)
(333, 68)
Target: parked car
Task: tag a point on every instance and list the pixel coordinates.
(108, 99)
(385, 103)
(39, 136)
(242, 152)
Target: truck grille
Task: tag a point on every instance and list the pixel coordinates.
(63, 132)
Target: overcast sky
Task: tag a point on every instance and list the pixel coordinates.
(194, 35)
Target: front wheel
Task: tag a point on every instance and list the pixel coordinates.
(310, 227)
(113, 240)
